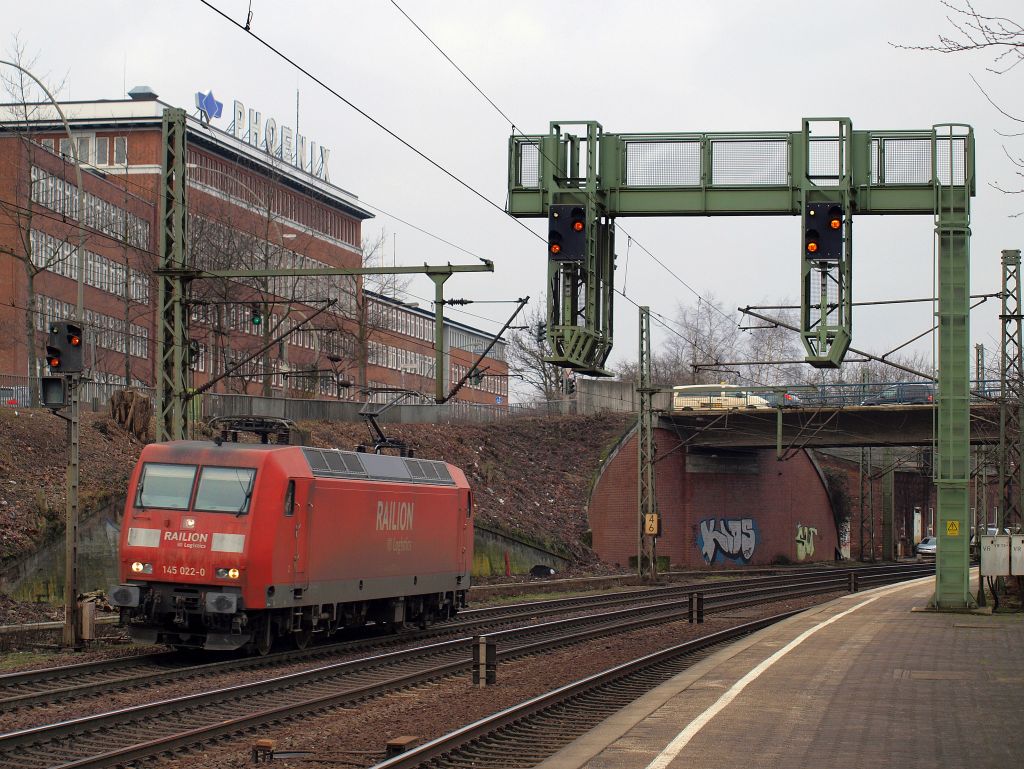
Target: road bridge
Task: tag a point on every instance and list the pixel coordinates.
(821, 426)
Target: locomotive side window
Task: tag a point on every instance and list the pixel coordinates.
(167, 486)
(289, 500)
(224, 489)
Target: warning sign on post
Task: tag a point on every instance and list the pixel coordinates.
(952, 528)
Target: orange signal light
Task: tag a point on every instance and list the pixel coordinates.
(835, 223)
(812, 247)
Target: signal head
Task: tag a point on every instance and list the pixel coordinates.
(835, 217)
(811, 241)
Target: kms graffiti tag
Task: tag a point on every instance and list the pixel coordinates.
(733, 538)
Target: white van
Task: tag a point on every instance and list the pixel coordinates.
(720, 396)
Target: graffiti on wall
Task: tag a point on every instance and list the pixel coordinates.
(804, 541)
(727, 538)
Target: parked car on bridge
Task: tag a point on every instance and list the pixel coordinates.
(720, 396)
(903, 392)
(785, 400)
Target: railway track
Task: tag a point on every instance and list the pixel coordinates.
(130, 734)
(526, 734)
(93, 680)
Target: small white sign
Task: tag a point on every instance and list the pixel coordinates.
(995, 555)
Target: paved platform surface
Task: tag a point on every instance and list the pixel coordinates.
(863, 681)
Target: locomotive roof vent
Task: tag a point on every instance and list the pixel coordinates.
(332, 463)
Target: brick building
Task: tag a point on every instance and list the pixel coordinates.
(249, 208)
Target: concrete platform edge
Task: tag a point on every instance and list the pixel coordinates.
(584, 748)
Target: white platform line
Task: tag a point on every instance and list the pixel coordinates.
(663, 759)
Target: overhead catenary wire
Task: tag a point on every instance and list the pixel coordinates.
(420, 153)
(515, 130)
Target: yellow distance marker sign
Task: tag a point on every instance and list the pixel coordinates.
(952, 528)
(651, 524)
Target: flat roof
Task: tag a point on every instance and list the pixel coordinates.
(104, 113)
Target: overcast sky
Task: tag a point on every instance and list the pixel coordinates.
(634, 67)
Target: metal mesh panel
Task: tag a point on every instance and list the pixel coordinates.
(750, 163)
(316, 460)
(950, 157)
(529, 165)
(663, 164)
(327, 462)
(823, 159)
(874, 160)
(832, 289)
(906, 161)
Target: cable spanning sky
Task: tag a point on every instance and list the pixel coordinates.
(438, 84)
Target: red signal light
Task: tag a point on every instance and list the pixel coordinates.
(53, 362)
(75, 340)
(556, 248)
(577, 226)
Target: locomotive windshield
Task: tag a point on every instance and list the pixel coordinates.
(166, 486)
(225, 489)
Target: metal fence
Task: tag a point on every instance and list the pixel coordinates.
(95, 396)
(593, 396)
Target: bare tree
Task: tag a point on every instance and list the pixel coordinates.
(705, 336)
(36, 254)
(525, 353)
(246, 233)
(371, 320)
(766, 347)
(976, 31)
(1004, 39)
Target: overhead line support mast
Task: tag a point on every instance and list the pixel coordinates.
(175, 275)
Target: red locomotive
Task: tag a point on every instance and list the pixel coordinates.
(226, 545)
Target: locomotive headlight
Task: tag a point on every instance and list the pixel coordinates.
(232, 573)
(225, 573)
(142, 568)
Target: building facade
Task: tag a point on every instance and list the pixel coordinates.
(248, 208)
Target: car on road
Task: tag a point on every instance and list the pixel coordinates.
(903, 392)
(720, 396)
(16, 396)
(926, 546)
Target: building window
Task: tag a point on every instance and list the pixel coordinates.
(102, 150)
(83, 149)
(121, 150)
(47, 144)
(65, 148)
